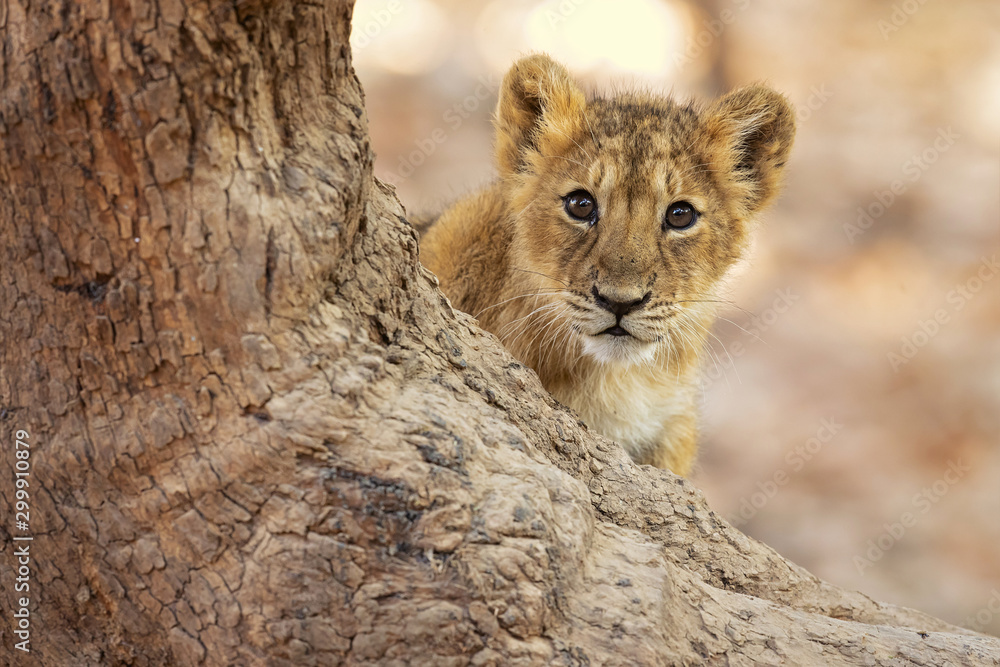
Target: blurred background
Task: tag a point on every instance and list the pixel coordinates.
(852, 404)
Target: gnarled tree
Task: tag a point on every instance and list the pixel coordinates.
(260, 435)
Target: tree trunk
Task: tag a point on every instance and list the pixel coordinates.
(255, 432)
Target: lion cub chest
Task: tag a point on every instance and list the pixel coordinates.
(644, 409)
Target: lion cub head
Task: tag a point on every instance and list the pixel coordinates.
(627, 211)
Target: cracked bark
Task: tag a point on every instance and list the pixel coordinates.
(259, 433)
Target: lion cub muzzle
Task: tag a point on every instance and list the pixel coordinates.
(618, 306)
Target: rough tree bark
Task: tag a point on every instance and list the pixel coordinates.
(260, 435)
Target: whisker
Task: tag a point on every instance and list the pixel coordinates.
(719, 366)
(589, 156)
(524, 324)
(692, 168)
(520, 296)
(684, 328)
(507, 329)
(591, 128)
(560, 157)
(540, 332)
(550, 347)
(745, 331)
(526, 207)
(723, 301)
(544, 275)
(731, 360)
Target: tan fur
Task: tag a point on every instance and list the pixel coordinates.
(513, 257)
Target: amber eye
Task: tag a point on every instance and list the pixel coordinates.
(580, 205)
(680, 215)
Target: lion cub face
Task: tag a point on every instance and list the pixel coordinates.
(628, 211)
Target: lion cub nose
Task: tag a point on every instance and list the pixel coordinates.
(619, 308)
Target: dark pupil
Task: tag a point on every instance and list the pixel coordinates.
(580, 205)
(680, 215)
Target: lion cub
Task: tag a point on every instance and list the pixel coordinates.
(596, 256)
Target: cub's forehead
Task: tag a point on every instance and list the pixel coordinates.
(642, 129)
(642, 144)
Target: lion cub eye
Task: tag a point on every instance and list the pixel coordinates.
(680, 215)
(580, 205)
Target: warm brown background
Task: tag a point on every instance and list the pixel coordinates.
(822, 301)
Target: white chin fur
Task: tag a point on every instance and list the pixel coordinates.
(624, 350)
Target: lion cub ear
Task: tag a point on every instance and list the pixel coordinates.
(749, 135)
(540, 109)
